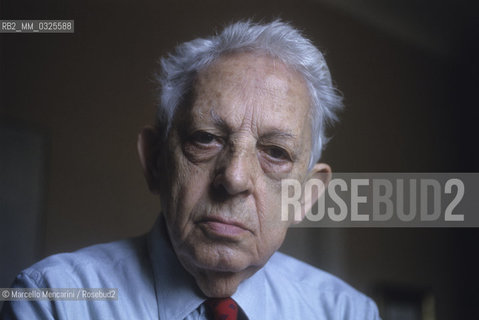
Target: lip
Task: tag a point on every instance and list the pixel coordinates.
(223, 228)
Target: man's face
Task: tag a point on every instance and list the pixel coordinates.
(246, 128)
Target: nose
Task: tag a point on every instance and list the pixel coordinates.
(235, 173)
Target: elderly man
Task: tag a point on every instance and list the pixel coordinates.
(238, 113)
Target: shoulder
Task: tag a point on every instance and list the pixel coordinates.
(322, 292)
(93, 265)
(123, 265)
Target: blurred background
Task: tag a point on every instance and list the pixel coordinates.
(71, 106)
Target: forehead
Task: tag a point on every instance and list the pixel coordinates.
(254, 86)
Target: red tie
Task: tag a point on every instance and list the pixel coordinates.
(222, 309)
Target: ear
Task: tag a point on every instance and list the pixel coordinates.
(149, 150)
(321, 172)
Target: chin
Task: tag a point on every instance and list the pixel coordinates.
(220, 284)
(217, 267)
(220, 258)
(217, 290)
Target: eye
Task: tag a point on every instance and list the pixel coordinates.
(202, 137)
(277, 153)
(202, 146)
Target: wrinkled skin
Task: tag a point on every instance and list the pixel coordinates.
(246, 127)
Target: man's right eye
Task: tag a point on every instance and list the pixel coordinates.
(203, 137)
(201, 146)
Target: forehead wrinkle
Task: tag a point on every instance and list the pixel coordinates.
(268, 84)
(218, 121)
(255, 95)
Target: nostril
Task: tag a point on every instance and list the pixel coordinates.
(218, 191)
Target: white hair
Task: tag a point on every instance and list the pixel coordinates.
(276, 39)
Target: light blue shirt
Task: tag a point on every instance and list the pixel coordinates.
(152, 284)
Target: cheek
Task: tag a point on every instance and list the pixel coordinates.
(268, 200)
(272, 230)
(188, 184)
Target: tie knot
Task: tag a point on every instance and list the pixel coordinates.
(222, 308)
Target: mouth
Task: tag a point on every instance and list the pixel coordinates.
(218, 227)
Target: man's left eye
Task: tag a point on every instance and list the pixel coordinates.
(277, 153)
(203, 137)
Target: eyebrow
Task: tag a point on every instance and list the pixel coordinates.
(275, 134)
(270, 135)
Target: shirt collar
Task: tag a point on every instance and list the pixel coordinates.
(176, 290)
(251, 296)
